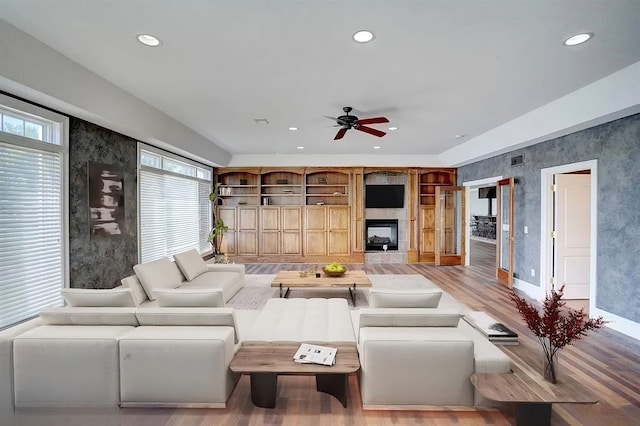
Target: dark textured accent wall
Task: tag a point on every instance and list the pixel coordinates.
(616, 146)
(100, 263)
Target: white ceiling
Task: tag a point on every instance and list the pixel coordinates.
(436, 68)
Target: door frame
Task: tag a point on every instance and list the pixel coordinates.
(468, 185)
(546, 224)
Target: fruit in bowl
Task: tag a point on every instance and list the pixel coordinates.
(334, 269)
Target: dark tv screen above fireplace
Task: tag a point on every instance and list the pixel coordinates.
(384, 196)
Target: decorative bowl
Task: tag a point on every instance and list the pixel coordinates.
(334, 273)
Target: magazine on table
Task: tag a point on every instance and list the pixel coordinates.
(314, 354)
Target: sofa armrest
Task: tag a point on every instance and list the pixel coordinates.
(6, 367)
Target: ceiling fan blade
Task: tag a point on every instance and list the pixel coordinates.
(340, 134)
(374, 120)
(371, 131)
(330, 118)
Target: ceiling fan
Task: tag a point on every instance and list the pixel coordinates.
(347, 122)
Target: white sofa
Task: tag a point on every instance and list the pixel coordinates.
(420, 357)
(189, 281)
(110, 357)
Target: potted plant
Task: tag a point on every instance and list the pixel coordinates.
(219, 228)
(556, 328)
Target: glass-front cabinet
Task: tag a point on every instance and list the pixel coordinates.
(450, 225)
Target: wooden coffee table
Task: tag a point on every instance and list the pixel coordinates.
(292, 279)
(532, 395)
(264, 363)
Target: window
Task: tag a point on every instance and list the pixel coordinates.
(33, 212)
(174, 207)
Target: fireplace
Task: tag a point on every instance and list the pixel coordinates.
(381, 234)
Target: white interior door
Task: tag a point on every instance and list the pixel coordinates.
(573, 234)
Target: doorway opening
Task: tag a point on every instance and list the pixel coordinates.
(480, 235)
(568, 232)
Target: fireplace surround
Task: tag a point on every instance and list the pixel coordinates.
(381, 234)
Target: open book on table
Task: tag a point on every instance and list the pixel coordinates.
(314, 354)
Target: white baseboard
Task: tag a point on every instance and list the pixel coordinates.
(530, 289)
(623, 325)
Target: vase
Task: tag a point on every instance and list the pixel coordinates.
(550, 367)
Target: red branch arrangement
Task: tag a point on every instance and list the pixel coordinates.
(557, 327)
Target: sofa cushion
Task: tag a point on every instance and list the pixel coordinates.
(114, 297)
(288, 321)
(89, 316)
(161, 273)
(189, 297)
(132, 282)
(419, 298)
(187, 317)
(190, 263)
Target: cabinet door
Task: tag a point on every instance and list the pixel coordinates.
(270, 230)
(338, 218)
(315, 235)
(427, 233)
(228, 215)
(247, 233)
(291, 230)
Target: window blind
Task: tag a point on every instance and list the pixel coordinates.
(31, 232)
(175, 213)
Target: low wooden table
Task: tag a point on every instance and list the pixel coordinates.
(266, 362)
(292, 279)
(532, 395)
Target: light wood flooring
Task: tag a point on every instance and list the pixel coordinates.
(606, 362)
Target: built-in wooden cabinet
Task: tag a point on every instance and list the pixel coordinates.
(317, 214)
(428, 181)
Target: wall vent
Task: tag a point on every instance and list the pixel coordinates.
(518, 160)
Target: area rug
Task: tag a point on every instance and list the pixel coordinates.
(257, 289)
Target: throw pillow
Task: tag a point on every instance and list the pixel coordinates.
(114, 297)
(161, 273)
(191, 264)
(187, 297)
(133, 283)
(404, 298)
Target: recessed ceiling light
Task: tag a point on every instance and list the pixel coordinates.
(363, 36)
(300, 147)
(376, 147)
(148, 40)
(293, 128)
(459, 136)
(393, 128)
(577, 39)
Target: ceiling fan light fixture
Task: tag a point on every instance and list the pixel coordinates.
(578, 39)
(363, 36)
(148, 40)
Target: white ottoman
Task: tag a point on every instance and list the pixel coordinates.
(67, 366)
(177, 366)
(290, 321)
